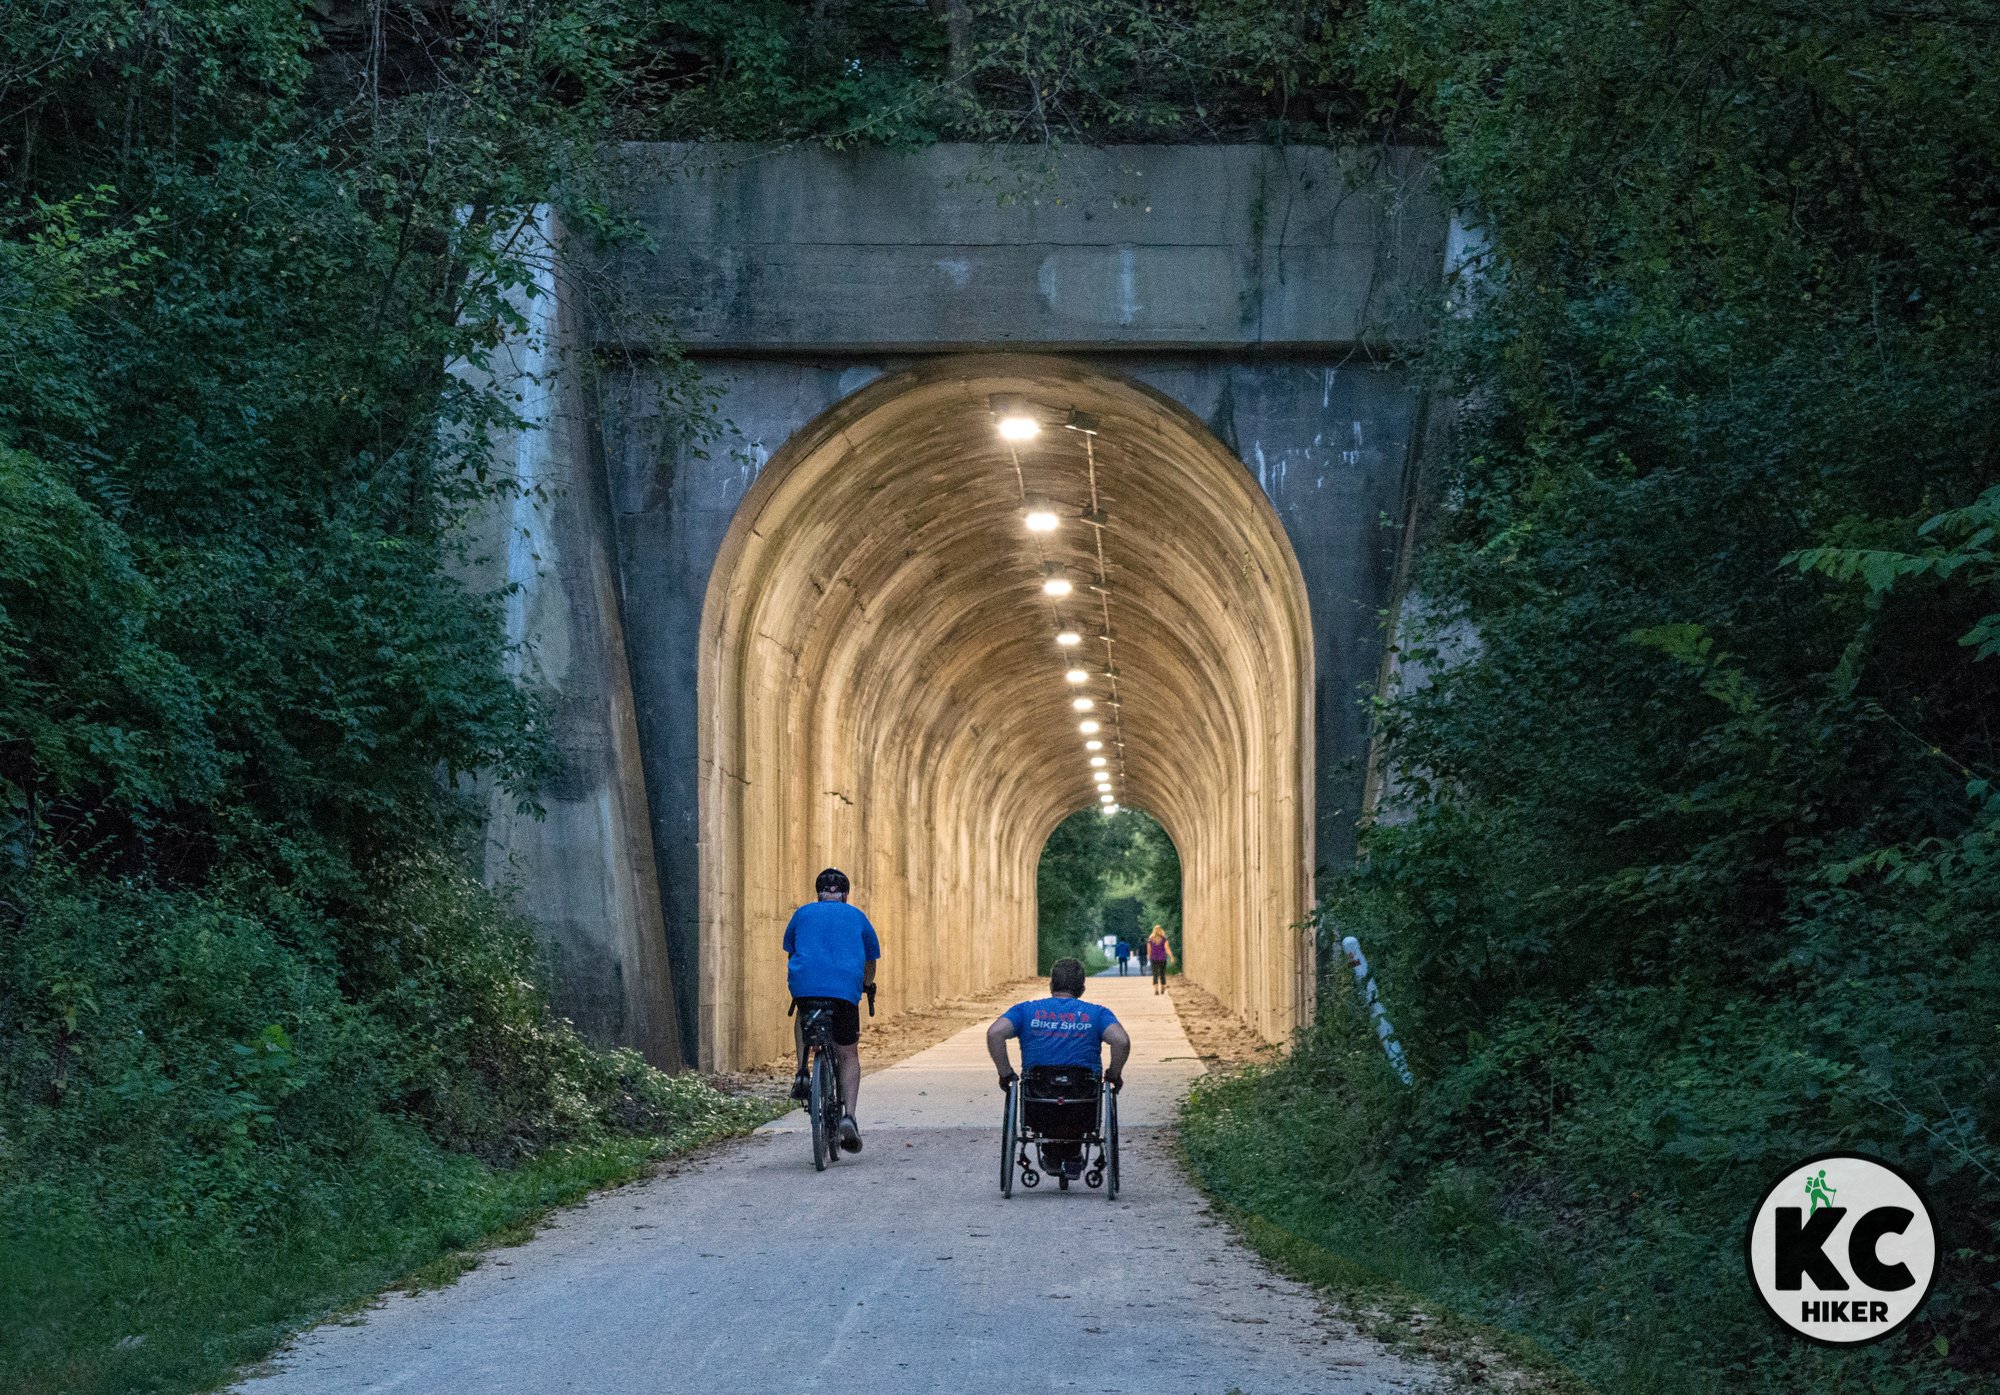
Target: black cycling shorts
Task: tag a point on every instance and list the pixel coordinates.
(846, 1017)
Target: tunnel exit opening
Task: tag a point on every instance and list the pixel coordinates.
(960, 605)
(1104, 879)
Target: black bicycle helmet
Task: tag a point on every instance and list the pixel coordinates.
(832, 879)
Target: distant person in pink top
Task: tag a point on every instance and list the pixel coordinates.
(1159, 954)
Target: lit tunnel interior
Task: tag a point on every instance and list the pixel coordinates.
(882, 688)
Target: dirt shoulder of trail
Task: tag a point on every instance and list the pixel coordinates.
(887, 1040)
(1221, 1038)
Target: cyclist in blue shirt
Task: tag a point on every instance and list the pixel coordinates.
(1060, 1030)
(832, 950)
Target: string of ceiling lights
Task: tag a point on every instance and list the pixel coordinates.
(1096, 699)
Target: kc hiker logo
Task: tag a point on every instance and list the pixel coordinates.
(1842, 1250)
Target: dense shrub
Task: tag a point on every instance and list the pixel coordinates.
(1688, 867)
(203, 1064)
(224, 1112)
(265, 1043)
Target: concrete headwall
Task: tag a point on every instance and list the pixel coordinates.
(581, 865)
(798, 251)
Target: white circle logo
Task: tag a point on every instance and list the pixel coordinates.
(1842, 1249)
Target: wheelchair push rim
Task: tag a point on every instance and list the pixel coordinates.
(1008, 1131)
(1110, 1144)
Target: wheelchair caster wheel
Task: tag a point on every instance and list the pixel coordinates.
(1062, 1181)
(1094, 1178)
(1031, 1178)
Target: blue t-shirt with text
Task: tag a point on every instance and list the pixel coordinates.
(829, 943)
(1061, 1031)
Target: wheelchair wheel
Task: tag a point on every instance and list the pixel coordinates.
(1111, 1144)
(1009, 1143)
(825, 1143)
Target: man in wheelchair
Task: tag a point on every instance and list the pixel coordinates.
(1062, 1041)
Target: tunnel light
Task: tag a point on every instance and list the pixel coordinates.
(1097, 762)
(1077, 675)
(1110, 808)
(1106, 800)
(1041, 521)
(1087, 728)
(1054, 583)
(1069, 639)
(1083, 704)
(1014, 417)
(1093, 745)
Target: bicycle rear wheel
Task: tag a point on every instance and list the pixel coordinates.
(825, 1143)
(836, 1107)
(1009, 1140)
(1111, 1144)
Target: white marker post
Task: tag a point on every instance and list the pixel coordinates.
(1385, 1031)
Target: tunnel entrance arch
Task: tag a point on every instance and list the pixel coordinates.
(880, 688)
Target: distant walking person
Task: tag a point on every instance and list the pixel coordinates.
(1160, 954)
(1124, 955)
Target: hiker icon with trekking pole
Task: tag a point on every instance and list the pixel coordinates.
(1819, 1191)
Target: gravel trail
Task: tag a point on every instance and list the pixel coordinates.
(899, 1271)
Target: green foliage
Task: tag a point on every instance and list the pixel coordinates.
(227, 1113)
(264, 1042)
(1093, 864)
(1039, 72)
(1069, 887)
(1966, 547)
(1151, 869)
(1690, 866)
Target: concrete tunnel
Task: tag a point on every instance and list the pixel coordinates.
(880, 688)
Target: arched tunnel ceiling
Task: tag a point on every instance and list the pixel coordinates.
(882, 688)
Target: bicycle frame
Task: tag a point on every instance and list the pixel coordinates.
(826, 1102)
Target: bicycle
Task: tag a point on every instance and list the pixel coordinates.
(825, 1102)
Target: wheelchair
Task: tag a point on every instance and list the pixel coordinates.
(1056, 1114)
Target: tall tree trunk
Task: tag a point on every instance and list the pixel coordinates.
(957, 16)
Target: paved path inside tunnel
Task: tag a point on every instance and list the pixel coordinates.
(898, 1271)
